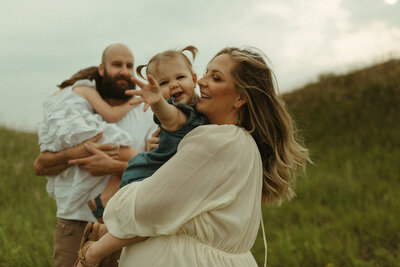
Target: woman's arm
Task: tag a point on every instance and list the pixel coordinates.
(170, 117)
(108, 112)
(106, 245)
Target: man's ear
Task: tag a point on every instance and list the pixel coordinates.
(240, 101)
(101, 70)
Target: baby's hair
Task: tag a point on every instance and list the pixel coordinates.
(151, 67)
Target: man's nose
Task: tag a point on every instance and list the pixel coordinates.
(124, 71)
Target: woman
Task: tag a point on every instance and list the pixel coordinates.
(203, 207)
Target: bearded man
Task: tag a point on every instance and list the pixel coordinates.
(111, 78)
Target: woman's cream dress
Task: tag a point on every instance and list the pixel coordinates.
(202, 208)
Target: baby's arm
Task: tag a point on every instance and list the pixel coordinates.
(170, 117)
(106, 245)
(109, 113)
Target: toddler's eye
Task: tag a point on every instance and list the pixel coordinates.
(163, 83)
(180, 77)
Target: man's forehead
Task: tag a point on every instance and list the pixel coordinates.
(119, 53)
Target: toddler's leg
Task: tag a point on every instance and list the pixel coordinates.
(97, 205)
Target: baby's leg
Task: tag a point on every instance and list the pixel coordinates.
(97, 205)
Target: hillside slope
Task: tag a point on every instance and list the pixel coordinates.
(346, 210)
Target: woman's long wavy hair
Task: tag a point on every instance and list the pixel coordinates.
(265, 117)
(88, 74)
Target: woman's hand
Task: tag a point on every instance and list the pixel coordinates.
(150, 94)
(153, 141)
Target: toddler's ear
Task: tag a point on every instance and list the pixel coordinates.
(194, 77)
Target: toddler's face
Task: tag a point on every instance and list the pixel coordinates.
(175, 79)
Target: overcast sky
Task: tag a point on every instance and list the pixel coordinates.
(44, 42)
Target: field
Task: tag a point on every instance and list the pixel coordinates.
(346, 212)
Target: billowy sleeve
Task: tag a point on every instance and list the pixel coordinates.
(211, 166)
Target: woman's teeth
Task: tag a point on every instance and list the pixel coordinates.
(205, 96)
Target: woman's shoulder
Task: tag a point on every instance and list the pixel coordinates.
(217, 136)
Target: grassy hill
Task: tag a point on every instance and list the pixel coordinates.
(346, 210)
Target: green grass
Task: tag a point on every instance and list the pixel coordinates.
(347, 207)
(27, 217)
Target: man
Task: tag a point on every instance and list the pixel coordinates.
(111, 78)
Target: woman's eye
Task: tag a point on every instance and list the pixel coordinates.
(215, 78)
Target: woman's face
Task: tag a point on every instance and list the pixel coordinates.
(217, 92)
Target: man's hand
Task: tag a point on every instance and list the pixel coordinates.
(153, 141)
(52, 163)
(99, 162)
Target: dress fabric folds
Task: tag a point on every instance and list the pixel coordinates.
(201, 208)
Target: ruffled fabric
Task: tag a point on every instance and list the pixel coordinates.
(68, 120)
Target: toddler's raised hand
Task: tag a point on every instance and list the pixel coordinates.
(150, 94)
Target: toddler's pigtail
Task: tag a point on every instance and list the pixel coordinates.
(139, 71)
(192, 49)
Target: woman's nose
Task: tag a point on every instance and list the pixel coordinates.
(201, 82)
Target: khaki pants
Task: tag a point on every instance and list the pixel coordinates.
(67, 238)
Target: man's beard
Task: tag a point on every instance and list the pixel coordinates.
(110, 88)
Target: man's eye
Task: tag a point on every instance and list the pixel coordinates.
(215, 78)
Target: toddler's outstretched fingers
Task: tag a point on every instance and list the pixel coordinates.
(136, 81)
(146, 107)
(131, 92)
(151, 80)
(135, 101)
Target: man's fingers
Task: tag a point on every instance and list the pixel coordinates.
(105, 147)
(146, 107)
(97, 137)
(93, 150)
(112, 153)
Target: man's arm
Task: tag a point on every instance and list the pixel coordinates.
(52, 163)
(101, 163)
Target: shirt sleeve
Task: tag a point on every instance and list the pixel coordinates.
(210, 168)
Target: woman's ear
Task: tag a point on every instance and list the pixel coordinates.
(101, 70)
(240, 101)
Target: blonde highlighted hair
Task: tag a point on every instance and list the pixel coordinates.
(265, 117)
(151, 67)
